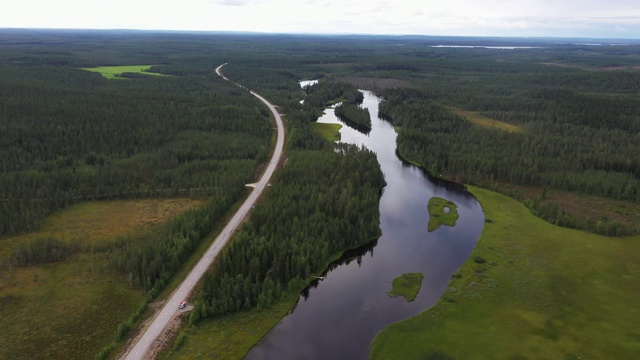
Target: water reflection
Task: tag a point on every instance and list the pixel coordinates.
(337, 317)
(305, 83)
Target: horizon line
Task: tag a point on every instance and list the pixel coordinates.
(245, 32)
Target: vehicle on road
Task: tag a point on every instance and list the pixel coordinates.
(183, 304)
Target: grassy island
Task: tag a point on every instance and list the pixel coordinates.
(407, 285)
(441, 212)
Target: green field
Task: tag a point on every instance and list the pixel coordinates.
(544, 292)
(441, 212)
(231, 336)
(113, 72)
(331, 132)
(71, 309)
(407, 285)
(481, 120)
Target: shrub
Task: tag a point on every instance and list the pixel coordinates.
(479, 259)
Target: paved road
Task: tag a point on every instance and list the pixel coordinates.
(170, 309)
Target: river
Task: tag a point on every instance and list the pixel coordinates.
(337, 317)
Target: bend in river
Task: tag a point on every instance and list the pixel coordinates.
(338, 317)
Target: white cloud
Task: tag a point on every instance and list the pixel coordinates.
(430, 17)
(236, 2)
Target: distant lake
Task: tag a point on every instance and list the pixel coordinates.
(337, 317)
(305, 83)
(487, 47)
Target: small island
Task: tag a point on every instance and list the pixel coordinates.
(441, 212)
(407, 285)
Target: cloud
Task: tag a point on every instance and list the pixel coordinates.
(428, 17)
(236, 2)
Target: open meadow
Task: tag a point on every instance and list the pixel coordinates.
(530, 290)
(114, 72)
(70, 309)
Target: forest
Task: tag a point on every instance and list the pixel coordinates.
(69, 136)
(354, 116)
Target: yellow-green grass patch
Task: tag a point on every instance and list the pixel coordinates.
(232, 336)
(482, 120)
(72, 309)
(406, 285)
(331, 132)
(113, 72)
(64, 310)
(441, 212)
(544, 292)
(99, 221)
(585, 207)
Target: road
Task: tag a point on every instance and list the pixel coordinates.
(170, 308)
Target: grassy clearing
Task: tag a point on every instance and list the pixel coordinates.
(441, 212)
(585, 207)
(544, 292)
(407, 285)
(113, 72)
(71, 309)
(99, 221)
(331, 132)
(232, 336)
(482, 120)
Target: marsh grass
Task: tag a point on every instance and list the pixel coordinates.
(441, 212)
(232, 336)
(544, 292)
(407, 285)
(331, 132)
(70, 309)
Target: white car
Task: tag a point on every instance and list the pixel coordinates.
(182, 304)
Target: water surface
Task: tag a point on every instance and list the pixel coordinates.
(338, 317)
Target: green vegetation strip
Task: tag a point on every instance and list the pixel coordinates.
(229, 337)
(331, 132)
(407, 285)
(544, 292)
(114, 72)
(441, 212)
(481, 120)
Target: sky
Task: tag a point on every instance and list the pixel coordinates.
(529, 18)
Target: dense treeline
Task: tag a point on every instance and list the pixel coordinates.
(565, 156)
(322, 202)
(322, 94)
(316, 208)
(70, 135)
(41, 251)
(149, 260)
(354, 116)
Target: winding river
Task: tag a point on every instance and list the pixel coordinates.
(337, 317)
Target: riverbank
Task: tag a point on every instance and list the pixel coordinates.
(543, 292)
(362, 281)
(237, 333)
